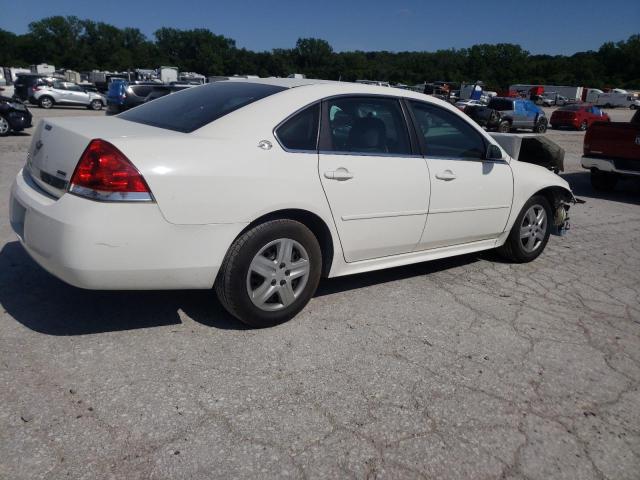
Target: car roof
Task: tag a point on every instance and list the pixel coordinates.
(338, 87)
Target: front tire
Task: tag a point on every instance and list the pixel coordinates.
(541, 127)
(530, 232)
(5, 128)
(95, 105)
(270, 273)
(584, 125)
(504, 127)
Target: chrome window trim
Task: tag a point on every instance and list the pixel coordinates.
(372, 154)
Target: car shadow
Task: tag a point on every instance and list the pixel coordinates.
(44, 304)
(627, 190)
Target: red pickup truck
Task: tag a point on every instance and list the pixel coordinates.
(611, 151)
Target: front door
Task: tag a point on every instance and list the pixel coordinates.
(470, 196)
(376, 185)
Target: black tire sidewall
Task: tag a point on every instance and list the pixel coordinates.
(95, 102)
(43, 98)
(243, 307)
(518, 251)
(8, 129)
(504, 127)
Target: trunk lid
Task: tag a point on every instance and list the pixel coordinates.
(58, 144)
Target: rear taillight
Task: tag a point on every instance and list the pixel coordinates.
(105, 174)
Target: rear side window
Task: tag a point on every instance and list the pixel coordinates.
(196, 107)
(300, 132)
(368, 126)
(501, 104)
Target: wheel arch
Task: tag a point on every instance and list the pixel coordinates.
(312, 221)
(556, 195)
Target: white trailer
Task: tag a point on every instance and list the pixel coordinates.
(168, 74)
(571, 93)
(618, 99)
(43, 69)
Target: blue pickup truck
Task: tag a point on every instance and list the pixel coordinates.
(504, 114)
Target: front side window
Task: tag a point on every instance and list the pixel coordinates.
(367, 125)
(300, 132)
(446, 134)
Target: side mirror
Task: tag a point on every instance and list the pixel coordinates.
(493, 153)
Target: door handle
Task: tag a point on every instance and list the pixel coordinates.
(447, 175)
(340, 174)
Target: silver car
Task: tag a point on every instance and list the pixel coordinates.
(68, 93)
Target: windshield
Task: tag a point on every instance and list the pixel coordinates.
(196, 107)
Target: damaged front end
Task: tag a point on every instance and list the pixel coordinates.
(561, 203)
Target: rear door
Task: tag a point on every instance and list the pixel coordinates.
(375, 180)
(77, 95)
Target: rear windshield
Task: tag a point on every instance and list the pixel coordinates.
(501, 104)
(196, 107)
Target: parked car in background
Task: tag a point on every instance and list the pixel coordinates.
(67, 93)
(504, 114)
(26, 85)
(550, 99)
(462, 104)
(14, 115)
(577, 116)
(612, 151)
(123, 95)
(171, 194)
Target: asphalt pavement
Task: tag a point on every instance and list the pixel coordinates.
(465, 368)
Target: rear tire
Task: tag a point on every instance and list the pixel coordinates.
(584, 125)
(530, 232)
(96, 105)
(46, 102)
(260, 280)
(603, 181)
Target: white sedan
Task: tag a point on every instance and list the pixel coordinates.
(260, 187)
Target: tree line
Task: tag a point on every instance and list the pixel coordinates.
(77, 44)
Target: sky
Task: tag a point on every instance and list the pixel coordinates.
(540, 26)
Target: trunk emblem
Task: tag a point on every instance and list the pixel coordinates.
(48, 127)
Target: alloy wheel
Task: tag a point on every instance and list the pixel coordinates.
(533, 228)
(278, 274)
(4, 126)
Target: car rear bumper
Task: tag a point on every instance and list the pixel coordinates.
(622, 167)
(115, 246)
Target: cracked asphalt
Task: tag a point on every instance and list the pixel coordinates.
(466, 368)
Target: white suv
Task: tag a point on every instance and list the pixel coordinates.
(68, 93)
